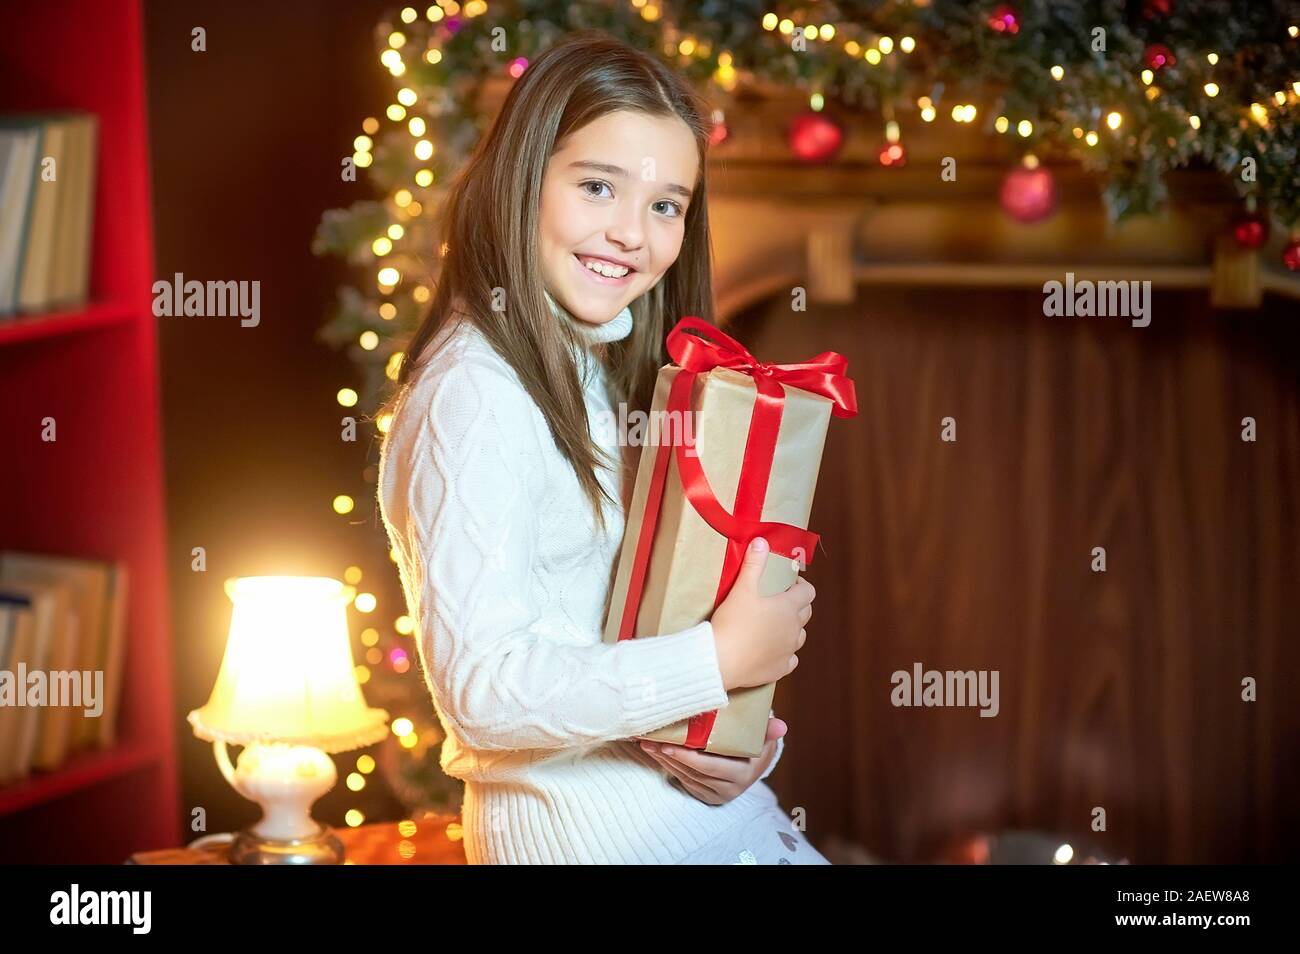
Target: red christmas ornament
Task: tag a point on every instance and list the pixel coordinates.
(1158, 55)
(1250, 231)
(718, 134)
(1028, 195)
(814, 138)
(1157, 9)
(1291, 254)
(1004, 19)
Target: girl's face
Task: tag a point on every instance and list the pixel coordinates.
(615, 195)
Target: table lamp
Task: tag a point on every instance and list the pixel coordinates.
(288, 693)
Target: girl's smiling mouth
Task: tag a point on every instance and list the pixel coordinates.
(613, 275)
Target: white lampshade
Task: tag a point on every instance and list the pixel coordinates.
(287, 676)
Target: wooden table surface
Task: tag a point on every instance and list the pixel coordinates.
(433, 839)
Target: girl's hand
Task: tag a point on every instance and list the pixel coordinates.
(715, 779)
(757, 636)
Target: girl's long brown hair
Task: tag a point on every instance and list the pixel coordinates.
(490, 224)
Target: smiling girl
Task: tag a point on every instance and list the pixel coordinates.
(575, 236)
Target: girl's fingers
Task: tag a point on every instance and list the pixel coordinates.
(679, 767)
(706, 795)
(722, 768)
(689, 780)
(735, 773)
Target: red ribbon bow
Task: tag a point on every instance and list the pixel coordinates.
(698, 347)
(712, 348)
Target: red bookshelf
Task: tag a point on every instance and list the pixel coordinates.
(98, 490)
(94, 315)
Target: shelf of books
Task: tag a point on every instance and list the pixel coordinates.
(87, 729)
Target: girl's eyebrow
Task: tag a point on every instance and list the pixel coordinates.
(612, 170)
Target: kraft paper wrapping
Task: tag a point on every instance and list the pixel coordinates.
(687, 554)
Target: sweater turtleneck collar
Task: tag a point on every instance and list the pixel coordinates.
(616, 329)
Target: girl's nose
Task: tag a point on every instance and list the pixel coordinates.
(626, 230)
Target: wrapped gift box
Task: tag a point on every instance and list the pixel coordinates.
(732, 451)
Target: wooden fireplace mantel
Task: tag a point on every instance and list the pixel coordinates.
(778, 224)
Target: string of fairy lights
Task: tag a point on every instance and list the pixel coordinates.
(1155, 97)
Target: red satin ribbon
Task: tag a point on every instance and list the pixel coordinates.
(698, 347)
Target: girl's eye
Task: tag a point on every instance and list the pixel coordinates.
(600, 183)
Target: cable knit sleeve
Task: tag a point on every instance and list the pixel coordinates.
(477, 480)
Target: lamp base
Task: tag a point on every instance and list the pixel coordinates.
(322, 848)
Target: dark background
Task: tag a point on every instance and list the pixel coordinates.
(246, 141)
(1119, 690)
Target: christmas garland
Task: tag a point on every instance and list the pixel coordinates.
(1131, 89)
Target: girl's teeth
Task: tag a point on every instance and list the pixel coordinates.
(609, 271)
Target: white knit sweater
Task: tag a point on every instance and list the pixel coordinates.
(506, 573)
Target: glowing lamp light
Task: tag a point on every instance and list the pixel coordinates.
(287, 691)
